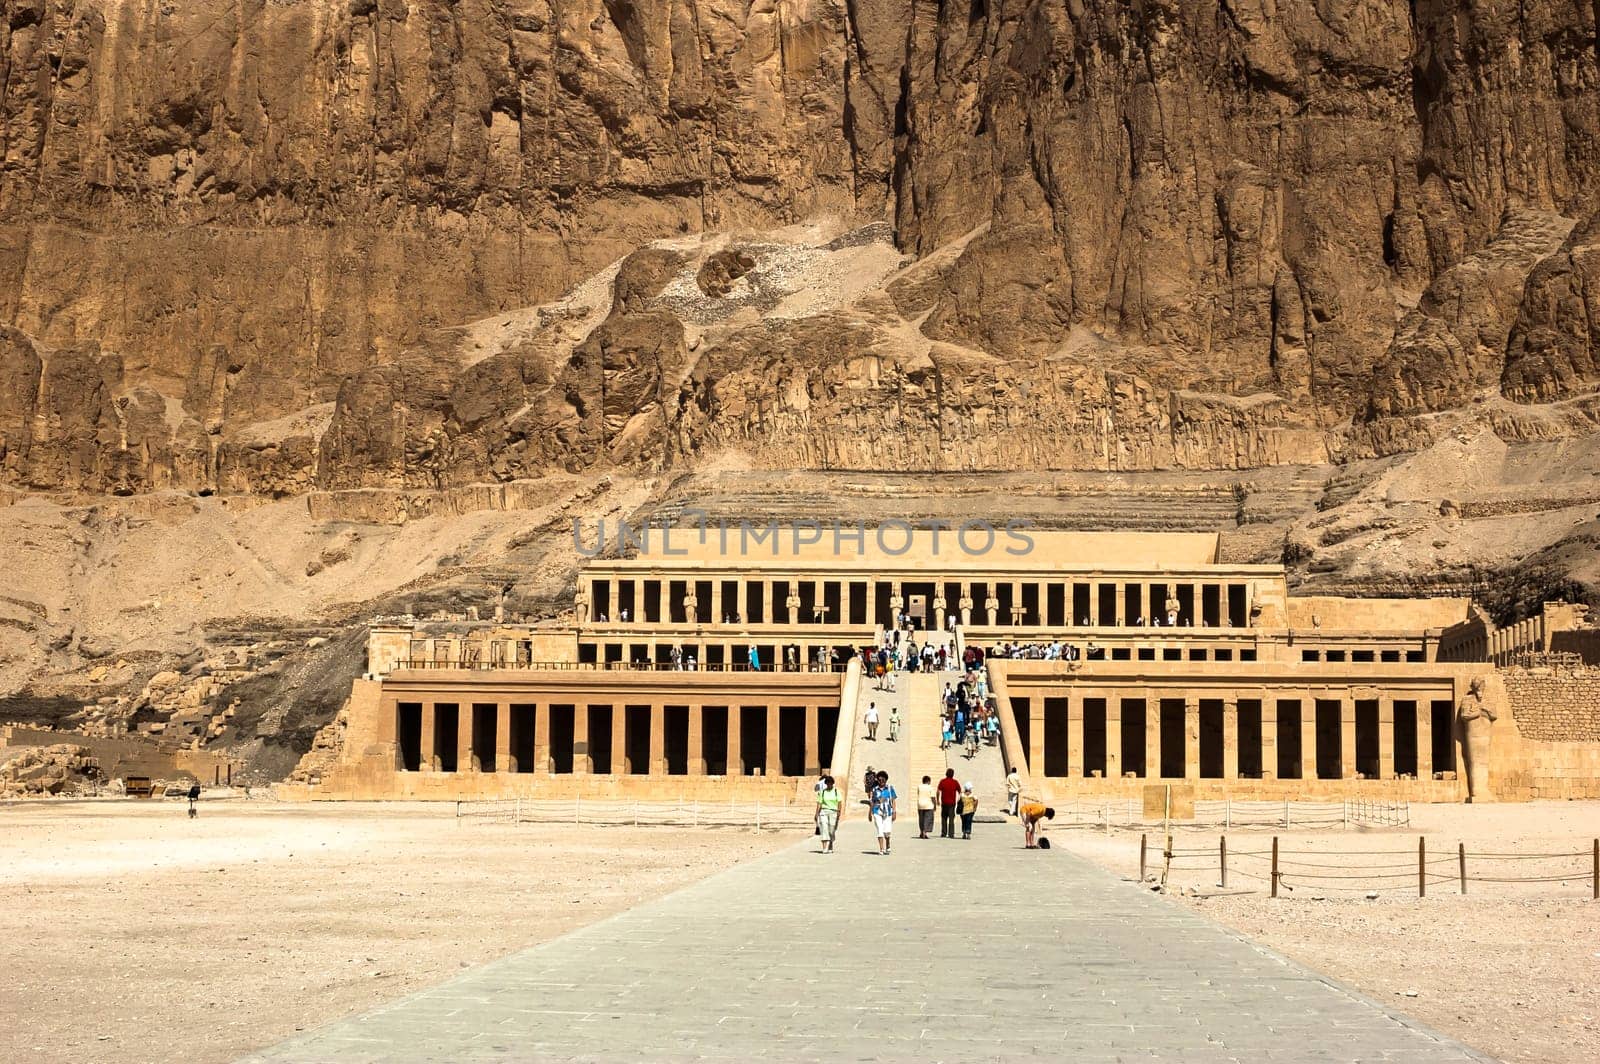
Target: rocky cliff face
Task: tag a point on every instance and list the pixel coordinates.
(283, 244)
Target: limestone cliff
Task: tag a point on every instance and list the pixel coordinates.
(275, 245)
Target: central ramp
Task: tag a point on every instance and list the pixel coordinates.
(765, 962)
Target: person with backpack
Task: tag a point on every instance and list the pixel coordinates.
(883, 811)
(969, 809)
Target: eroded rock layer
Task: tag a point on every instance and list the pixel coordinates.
(285, 245)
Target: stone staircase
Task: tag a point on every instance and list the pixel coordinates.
(890, 757)
(921, 729)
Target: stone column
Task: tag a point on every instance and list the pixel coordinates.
(1269, 737)
(1230, 738)
(1074, 735)
(1113, 732)
(1347, 736)
(1016, 602)
(717, 610)
(1385, 736)
(774, 765)
(465, 761)
(541, 739)
(697, 746)
(872, 604)
(582, 763)
(503, 761)
(619, 741)
(1424, 738)
(736, 765)
(1308, 736)
(813, 763)
(1191, 738)
(664, 598)
(658, 739)
(637, 616)
(1036, 738)
(1122, 604)
(427, 760)
(1199, 604)
(1152, 736)
(1094, 602)
(741, 601)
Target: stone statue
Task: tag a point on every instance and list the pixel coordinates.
(580, 604)
(1475, 725)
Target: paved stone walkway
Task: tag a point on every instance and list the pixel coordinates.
(944, 951)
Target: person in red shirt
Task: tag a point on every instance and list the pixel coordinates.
(949, 802)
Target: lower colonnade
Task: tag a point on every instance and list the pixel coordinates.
(1269, 730)
(481, 733)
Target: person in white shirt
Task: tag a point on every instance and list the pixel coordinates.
(872, 720)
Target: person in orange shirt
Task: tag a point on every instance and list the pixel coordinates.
(1032, 814)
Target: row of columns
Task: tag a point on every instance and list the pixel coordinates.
(773, 656)
(741, 605)
(1230, 733)
(966, 607)
(469, 759)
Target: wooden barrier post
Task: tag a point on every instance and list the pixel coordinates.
(1597, 869)
(1222, 848)
(1144, 841)
(1422, 866)
(1274, 866)
(1461, 856)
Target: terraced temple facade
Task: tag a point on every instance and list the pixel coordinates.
(725, 662)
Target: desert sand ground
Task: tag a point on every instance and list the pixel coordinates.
(129, 933)
(1510, 968)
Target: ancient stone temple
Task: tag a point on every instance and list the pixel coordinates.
(726, 663)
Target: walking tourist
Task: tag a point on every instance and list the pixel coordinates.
(927, 798)
(194, 800)
(816, 790)
(947, 732)
(949, 798)
(1013, 791)
(872, 721)
(755, 659)
(883, 811)
(894, 723)
(828, 813)
(1032, 814)
(969, 809)
(868, 782)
